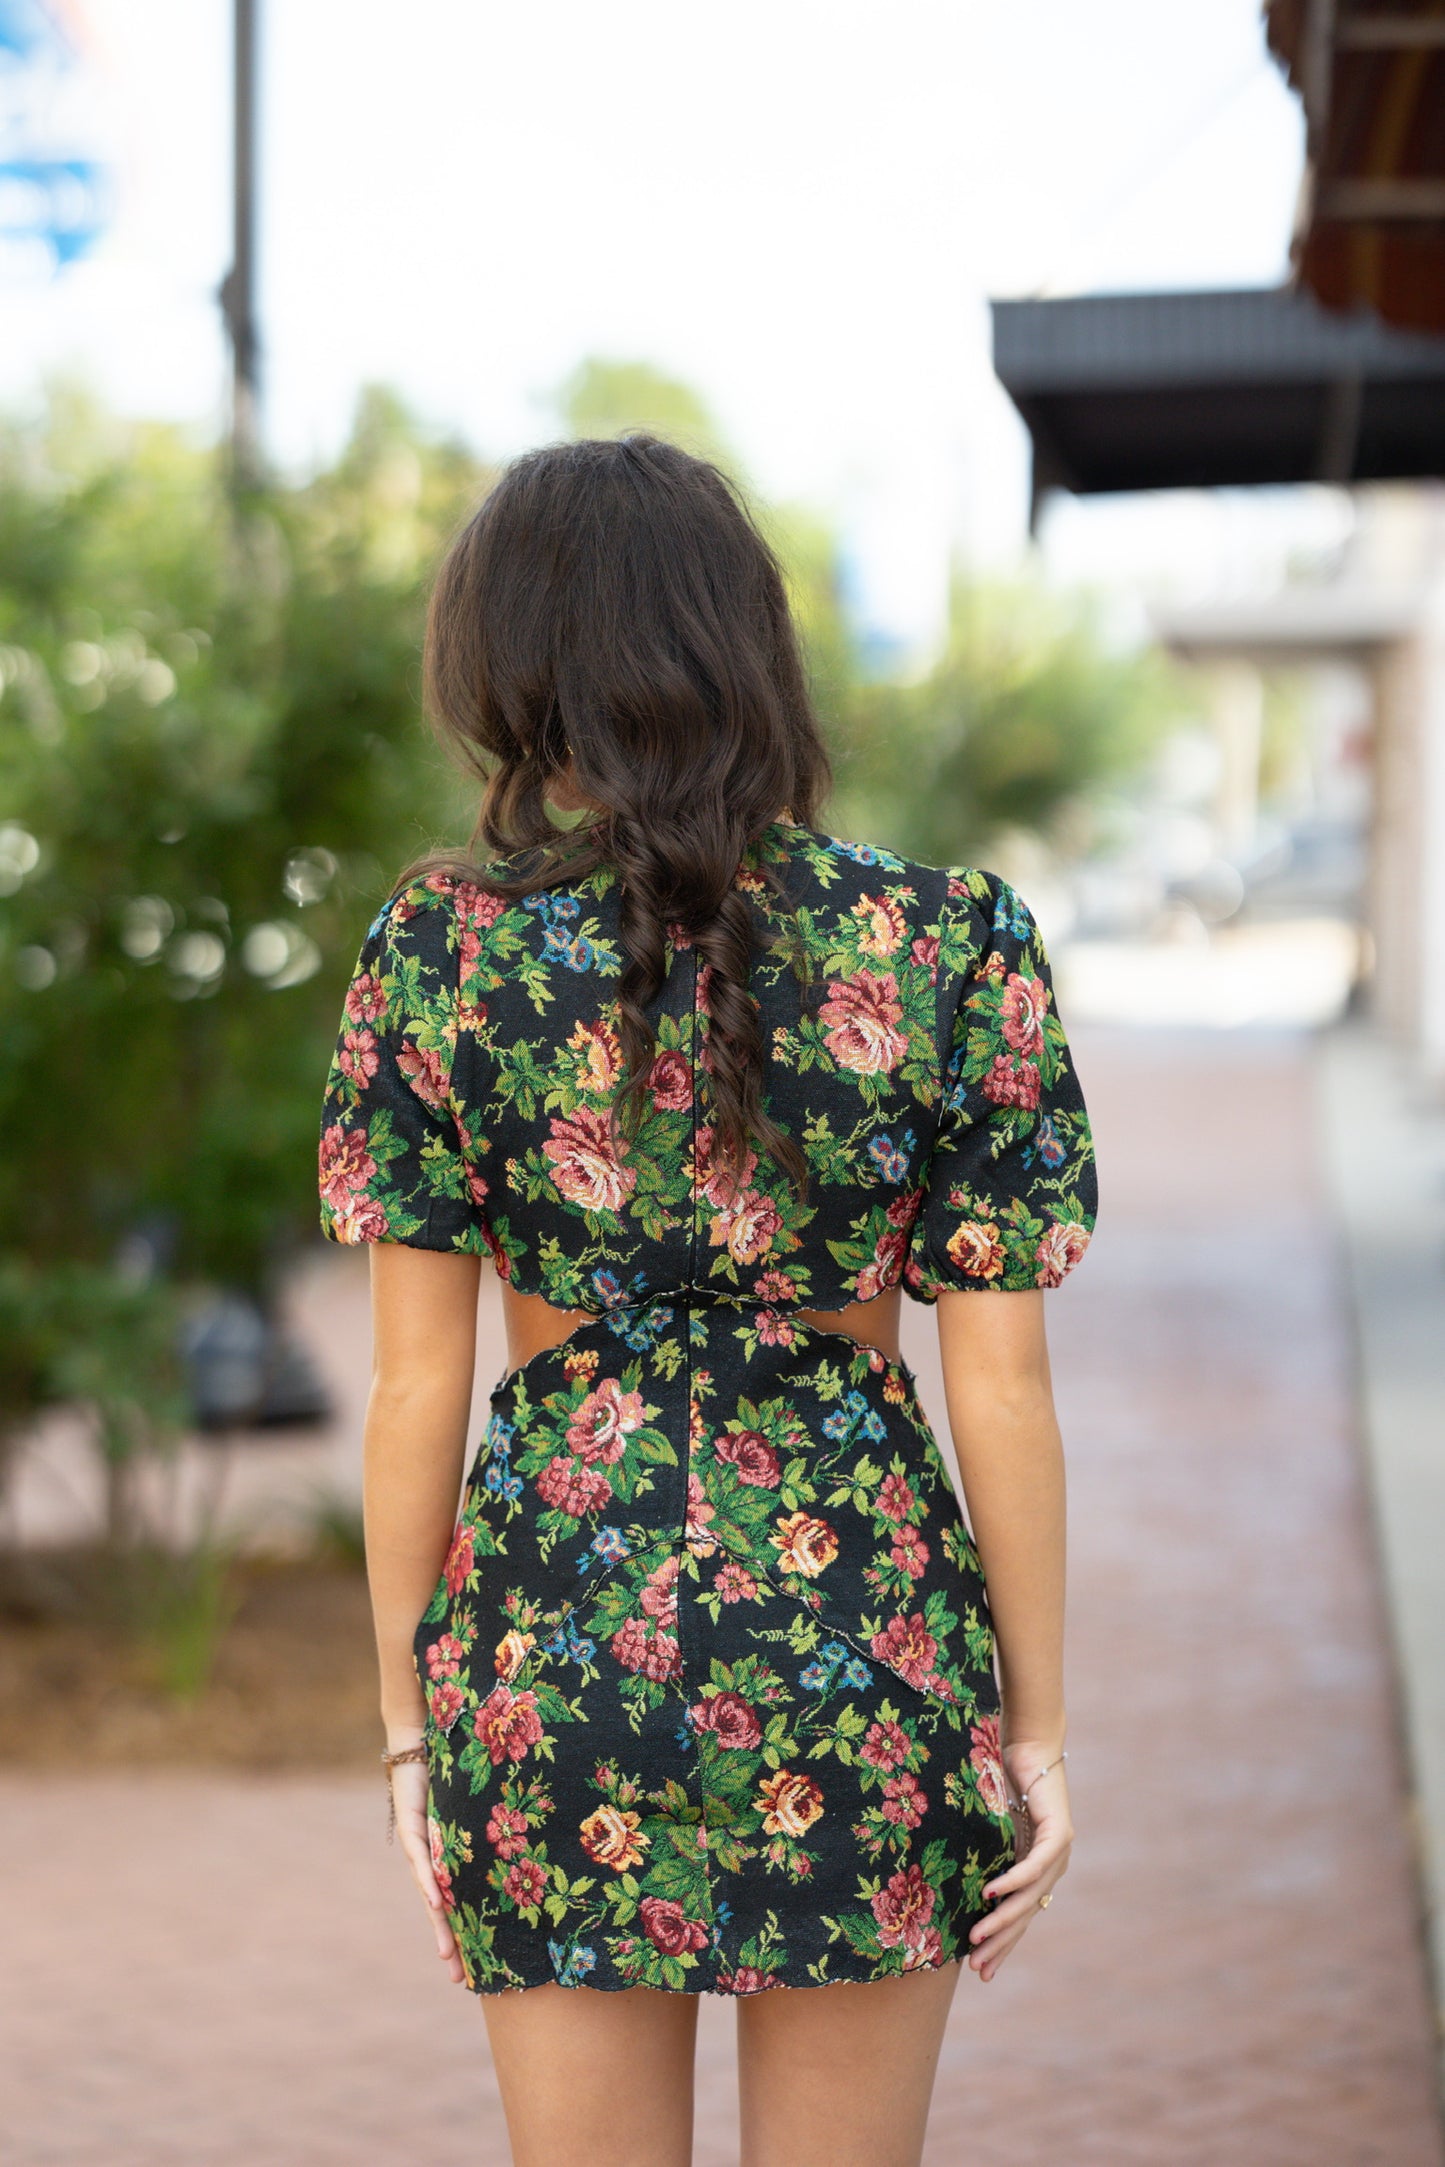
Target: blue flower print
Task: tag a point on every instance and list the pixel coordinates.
(892, 1160)
(1046, 1145)
(571, 1964)
(1009, 915)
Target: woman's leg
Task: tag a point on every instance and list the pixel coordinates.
(595, 2077)
(841, 2076)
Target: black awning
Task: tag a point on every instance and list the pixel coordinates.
(1207, 390)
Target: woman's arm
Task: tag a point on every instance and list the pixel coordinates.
(424, 1343)
(1011, 1463)
(424, 1339)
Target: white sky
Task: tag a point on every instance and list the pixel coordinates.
(798, 207)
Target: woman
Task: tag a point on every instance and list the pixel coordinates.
(697, 1694)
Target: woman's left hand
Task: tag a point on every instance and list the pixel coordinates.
(1016, 1896)
(411, 1790)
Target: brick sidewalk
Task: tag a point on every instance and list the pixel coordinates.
(213, 1972)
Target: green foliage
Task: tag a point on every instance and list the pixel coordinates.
(1025, 716)
(178, 1603)
(210, 748)
(97, 1337)
(607, 398)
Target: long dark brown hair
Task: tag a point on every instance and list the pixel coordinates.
(613, 603)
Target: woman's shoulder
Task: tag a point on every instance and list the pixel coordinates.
(844, 862)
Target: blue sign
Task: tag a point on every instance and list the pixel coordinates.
(50, 190)
(57, 200)
(26, 29)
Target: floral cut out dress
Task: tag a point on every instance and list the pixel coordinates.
(709, 1669)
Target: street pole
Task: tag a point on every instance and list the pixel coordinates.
(238, 288)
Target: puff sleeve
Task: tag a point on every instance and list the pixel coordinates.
(1010, 1187)
(396, 1159)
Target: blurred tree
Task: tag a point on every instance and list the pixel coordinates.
(607, 398)
(211, 766)
(1025, 716)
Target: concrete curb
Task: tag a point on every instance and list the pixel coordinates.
(1384, 1148)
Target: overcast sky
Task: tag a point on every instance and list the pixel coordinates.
(798, 207)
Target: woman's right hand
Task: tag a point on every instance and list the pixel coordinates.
(1016, 1895)
(411, 1792)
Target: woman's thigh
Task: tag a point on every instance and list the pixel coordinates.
(841, 2076)
(596, 2077)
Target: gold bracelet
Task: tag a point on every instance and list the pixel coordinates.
(388, 1762)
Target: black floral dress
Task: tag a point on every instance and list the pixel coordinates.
(711, 1695)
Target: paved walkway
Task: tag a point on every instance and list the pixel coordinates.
(213, 1972)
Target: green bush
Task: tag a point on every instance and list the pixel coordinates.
(211, 765)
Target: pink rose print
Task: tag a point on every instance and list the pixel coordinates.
(603, 1423)
(476, 908)
(508, 1724)
(670, 1082)
(747, 1979)
(986, 1760)
(668, 1927)
(862, 1015)
(716, 1183)
(903, 1907)
(1025, 1005)
(924, 1951)
(655, 1655)
(1007, 1085)
(460, 1559)
(360, 1220)
(749, 1228)
(659, 1593)
(907, 1645)
(345, 1164)
(699, 1514)
(1059, 1251)
(735, 1584)
(572, 1488)
(754, 1458)
(423, 1070)
(730, 1719)
(587, 1170)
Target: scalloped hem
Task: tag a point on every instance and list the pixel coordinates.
(718, 1993)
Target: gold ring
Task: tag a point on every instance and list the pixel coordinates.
(1044, 1902)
